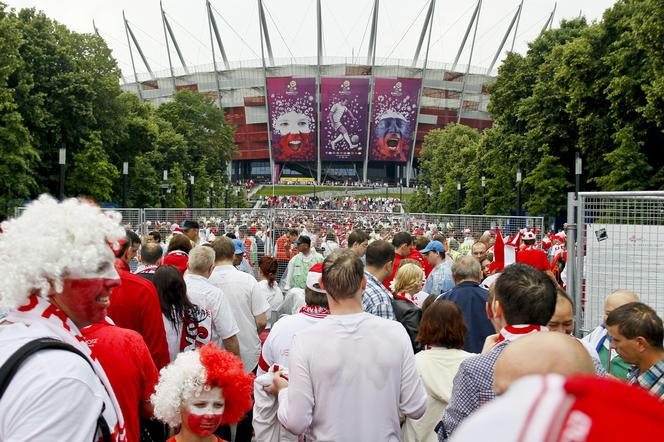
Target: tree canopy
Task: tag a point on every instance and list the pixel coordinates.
(596, 90)
(60, 88)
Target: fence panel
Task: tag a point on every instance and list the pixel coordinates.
(132, 219)
(620, 237)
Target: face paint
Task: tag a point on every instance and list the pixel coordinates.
(202, 414)
(85, 301)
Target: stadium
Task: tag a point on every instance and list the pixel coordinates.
(330, 119)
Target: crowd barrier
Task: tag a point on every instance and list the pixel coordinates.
(616, 243)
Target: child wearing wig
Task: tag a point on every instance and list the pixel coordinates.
(200, 391)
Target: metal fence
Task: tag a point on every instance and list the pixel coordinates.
(616, 243)
(270, 224)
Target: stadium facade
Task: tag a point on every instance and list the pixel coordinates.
(327, 118)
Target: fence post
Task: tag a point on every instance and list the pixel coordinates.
(572, 288)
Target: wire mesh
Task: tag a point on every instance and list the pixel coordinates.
(132, 219)
(620, 242)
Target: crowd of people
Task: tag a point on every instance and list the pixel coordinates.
(361, 204)
(331, 333)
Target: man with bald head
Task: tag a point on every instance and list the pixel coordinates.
(564, 355)
(600, 340)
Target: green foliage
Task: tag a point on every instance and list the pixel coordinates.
(91, 174)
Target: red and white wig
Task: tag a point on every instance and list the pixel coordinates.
(191, 373)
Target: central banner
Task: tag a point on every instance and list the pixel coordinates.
(344, 116)
(393, 118)
(292, 115)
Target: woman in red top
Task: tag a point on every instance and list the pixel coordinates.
(200, 391)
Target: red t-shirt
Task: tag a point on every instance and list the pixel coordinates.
(413, 254)
(129, 367)
(135, 305)
(534, 258)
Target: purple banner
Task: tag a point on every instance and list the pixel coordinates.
(393, 118)
(344, 112)
(292, 116)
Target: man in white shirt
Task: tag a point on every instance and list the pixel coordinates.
(249, 309)
(208, 297)
(52, 289)
(275, 351)
(353, 374)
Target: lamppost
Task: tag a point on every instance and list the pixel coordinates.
(458, 198)
(518, 191)
(226, 196)
(191, 190)
(238, 194)
(483, 190)
(63, 164)
(165, 187)
(211, 193)
(125, 177)
(578, 165)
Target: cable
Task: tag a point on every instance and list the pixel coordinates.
(408, 29)
(339, 27)
(365, 33)
(234, 31)
(306, 14)
(187, 31)
(463, 14)
(277, 28)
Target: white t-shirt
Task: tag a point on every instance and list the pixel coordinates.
(205, 295)
(247, 302)
(351, 376)
(54, 396)
(274, 297)
(277, 345)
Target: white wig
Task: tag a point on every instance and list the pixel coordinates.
(179, 381)
(52, 241)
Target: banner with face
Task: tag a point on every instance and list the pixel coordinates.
(292, 117)
(393, 118)
(344, 110)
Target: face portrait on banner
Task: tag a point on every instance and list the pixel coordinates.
(344, 108)
(393, 119)
(292, 116)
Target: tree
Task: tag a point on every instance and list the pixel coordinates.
(91, 173)
(18, 155)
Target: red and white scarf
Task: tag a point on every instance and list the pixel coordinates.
(39, 310)
(406, 297)
(512, 332)
(196, 329)
(314, 311)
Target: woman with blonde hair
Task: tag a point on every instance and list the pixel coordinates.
(407, 283)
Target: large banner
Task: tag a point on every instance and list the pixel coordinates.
(344, 113)
(393, 119)
(292, 116)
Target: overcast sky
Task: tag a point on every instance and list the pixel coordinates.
(292, 26)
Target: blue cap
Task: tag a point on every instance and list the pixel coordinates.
(433, 245)
(239, 246)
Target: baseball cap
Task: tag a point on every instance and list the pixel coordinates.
(239, 246)
(303, 239)
(433, 245)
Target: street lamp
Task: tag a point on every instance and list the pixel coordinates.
(518, 191)
(125, 175)
(63, 164)
(164, 187)
(211, 193)
(578, 165)
(483, 190)
(191, 190)
(458, 198)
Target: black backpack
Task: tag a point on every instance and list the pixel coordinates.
(12, 365)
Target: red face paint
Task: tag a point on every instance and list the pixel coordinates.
(85, 301)
(203, 414)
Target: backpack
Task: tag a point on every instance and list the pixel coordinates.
(12, 365)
